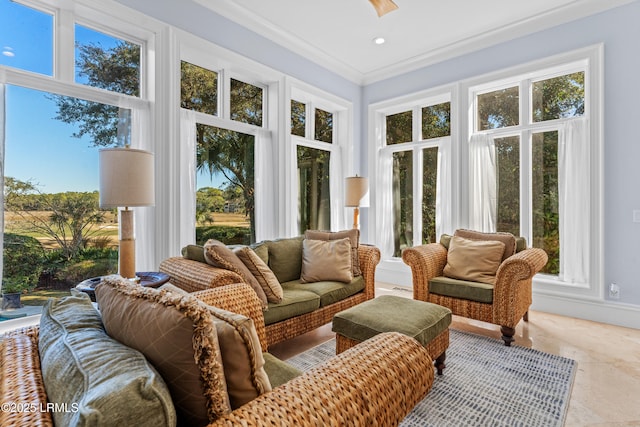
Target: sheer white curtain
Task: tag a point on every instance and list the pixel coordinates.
(482, 172)
(2, 135)
(336, 175)
(443, 191)
(265, 220)
(144, 216)
(574, 200)
(187, 177)
(384, 204)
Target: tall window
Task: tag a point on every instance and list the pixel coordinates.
(414, 170)
(51, 139)
(524, 124)
(224, 155)
(314, 135)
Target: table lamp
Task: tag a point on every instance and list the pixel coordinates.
(356, 187)
(126, 180)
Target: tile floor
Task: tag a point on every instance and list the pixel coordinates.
(606, 390)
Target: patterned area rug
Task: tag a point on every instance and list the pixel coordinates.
(485, 384)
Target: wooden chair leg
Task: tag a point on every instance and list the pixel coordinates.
(439, 362)
(507, 335)
(526, 316)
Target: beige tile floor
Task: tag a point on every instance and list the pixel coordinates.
(606, 390)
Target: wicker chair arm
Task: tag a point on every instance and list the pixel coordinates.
(369, 257)
(195, 276)
(238, 298)
(426, 262)
(377, 382)
(521, 266)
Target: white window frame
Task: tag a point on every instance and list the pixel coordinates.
(391, 267)
(590, 60)
(340, 149)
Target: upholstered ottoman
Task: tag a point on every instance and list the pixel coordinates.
(426, 322)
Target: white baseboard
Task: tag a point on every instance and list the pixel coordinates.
(395, 272)
(626, 315)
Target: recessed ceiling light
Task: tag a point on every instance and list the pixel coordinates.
(379, 40)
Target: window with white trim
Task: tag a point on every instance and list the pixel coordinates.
(530, 163)
(416, 138)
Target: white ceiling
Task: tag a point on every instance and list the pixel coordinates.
(338, 34)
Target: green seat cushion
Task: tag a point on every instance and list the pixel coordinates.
(388, 313)
(294, 303)
(329, 291)
(285, 258)
(455, 288)
(279, 372)
(101, 380)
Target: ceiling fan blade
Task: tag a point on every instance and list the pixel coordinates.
(383, 6)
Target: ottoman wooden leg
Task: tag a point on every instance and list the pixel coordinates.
(439, 362)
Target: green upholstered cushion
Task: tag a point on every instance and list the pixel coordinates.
(418, 319)
(194, 253)
(262, 250)
(455, 288)
(329, 292)
(109, 382)
(294, 303)
(279, 372)
(285, 258)
(521, 244)
(445, 239)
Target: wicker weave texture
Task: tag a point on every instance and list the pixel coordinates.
(21, 381)
(238, 298)
(511, 293)
(195, 276)
(375, 384)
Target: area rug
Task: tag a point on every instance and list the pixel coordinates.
(485, 384)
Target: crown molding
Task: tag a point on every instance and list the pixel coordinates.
(557, 16)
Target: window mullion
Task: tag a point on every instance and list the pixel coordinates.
(64, 50)
(526, 170)
(418, 164)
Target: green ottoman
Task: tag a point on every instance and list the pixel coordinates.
(426, 322)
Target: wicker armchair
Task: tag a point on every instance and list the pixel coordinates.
(375, 383)
(511, 292)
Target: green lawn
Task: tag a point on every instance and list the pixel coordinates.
(39, 297)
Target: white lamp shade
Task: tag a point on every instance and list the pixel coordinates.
(126, 178)
(355, 189)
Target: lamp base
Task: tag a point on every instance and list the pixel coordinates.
(356, 212)
(127, 262)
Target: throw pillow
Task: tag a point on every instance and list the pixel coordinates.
(473, 260)
(354, 238)
(219, 255)
(326, 260)
(177, 336)
(263, 274)
(241, 352)
(100, 380)
(508, 239)
(194, 253)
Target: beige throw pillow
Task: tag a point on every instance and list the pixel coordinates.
(263, 274)
(508, 239)
(473, 260)
(177, 336)
(354, 239)
(326, 260)
(219, 255)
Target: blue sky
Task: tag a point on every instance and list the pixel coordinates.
(38, 147)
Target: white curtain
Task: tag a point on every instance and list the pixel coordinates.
(574, 200)
(384, 204)
(265, 220)
(187, 177)
(144, 216)
(443, 192)
(336, 175)
(482, 172)
(2, 136)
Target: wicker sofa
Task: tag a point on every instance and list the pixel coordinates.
(305, 307)
(376, 383)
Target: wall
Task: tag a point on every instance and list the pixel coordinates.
(618, 29)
